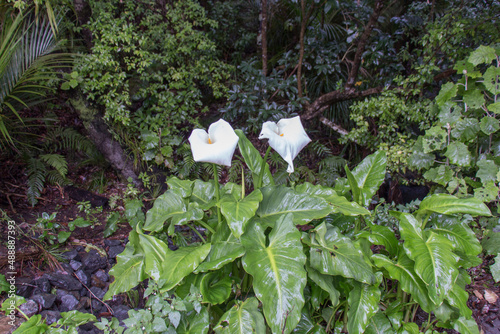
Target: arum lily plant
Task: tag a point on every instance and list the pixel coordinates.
(288, 138)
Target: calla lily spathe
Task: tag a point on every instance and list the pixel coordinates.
(287, 138)
(217, 146)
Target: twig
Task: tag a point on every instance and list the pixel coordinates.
(105, 304)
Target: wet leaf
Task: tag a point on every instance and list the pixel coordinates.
(242, 318)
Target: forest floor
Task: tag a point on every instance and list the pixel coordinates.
(31, 261)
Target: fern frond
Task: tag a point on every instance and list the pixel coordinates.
(57, 161)
(54, 177)
(36, 179)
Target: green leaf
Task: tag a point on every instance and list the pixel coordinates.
(491, 243)
(279, 200)
(155, 254)
(465, 326)
(325, 282)
(363, 304)
(33, 325)
(369, 175)
(203, 194)
(332, 253)
(483, 54)
(449, 113)
(420, 160)
(379, 324)
(182, 187)
(339, 204)
(222, 253)
(492, 80)
(172, 206)
(458, 297)
(278, 272)
(494, 107)
(4, 286)
(449, 205)
(128, 272)
(404, 272)
(63, 236)
(441, 175)
(447, 92)
(495, 269)
(459, 154)
(434, 139)
(242, 318)
(306, 326)
(435, 262)
(195, 323)
(474, 98)
(180, 263)
(75, 318)
(215, 287)
(133, 213)
(382, 235)
(239, 211)
(466, 130)
(253, 159)
(489, 125)
(487, 193)
(487, 170)
(111, 224)
(460, 234)
(12, 300)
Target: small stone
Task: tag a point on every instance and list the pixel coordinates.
(29, 308)
(64, 281)
(45, 300)
(42, 285)
(112, 242)
(75, 265)
(83, 276)
(71, 255)
(67, 269)
(121, 312)
(92, 261)
(68, 303)
(24, 287)
(60, 293)
(50, 316)
(84, 303)
(102, 275)
(97, 292)
(114, 251)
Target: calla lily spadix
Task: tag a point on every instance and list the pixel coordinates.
(217, 146)
(287, 138)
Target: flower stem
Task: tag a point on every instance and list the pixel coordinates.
(263, 167)
(217, 193)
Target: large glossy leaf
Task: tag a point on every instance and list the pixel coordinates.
(367, 177)
(278, 271)
(242, 318)
(448, 204)
(155, 254)
(363, 304)
(464, 240)
(307, 326)
(382, 235)
(253, 159)
(403, 271)
(332, 253)
(465, 326)
(172, 206)
(379, 324)
(203, 194)
(239, 211)
(195, 323)
(215, 287)
(279, 201)
(458, 297)
(127, 272)
(182, 187)
(34, 325)
(338, 203)
(180, 263)
(435, 263)
(325, 282)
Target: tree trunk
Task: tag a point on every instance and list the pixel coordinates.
(263, 29)
(101, 137)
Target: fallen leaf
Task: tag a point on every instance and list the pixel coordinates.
(478, 294)
(490, 296)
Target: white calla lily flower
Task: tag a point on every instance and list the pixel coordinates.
(288, 138)
(217, 146)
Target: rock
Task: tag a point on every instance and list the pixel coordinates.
(50, 316)
(29, 308)
(84, 303)
(42, 285)
(95, 281)
(114, 251)
(71, 255)
(24, 287)
(60, 293)
(97, 292)
(68, 303)
(63, 281)
(75, 265)
(121, 312)
(67, 269)
(92, 261)
(83, 276)
(81, 195)
(102, 275)
(45, 300)
(111, 242)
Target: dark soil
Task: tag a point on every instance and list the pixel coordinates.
(33, 263)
